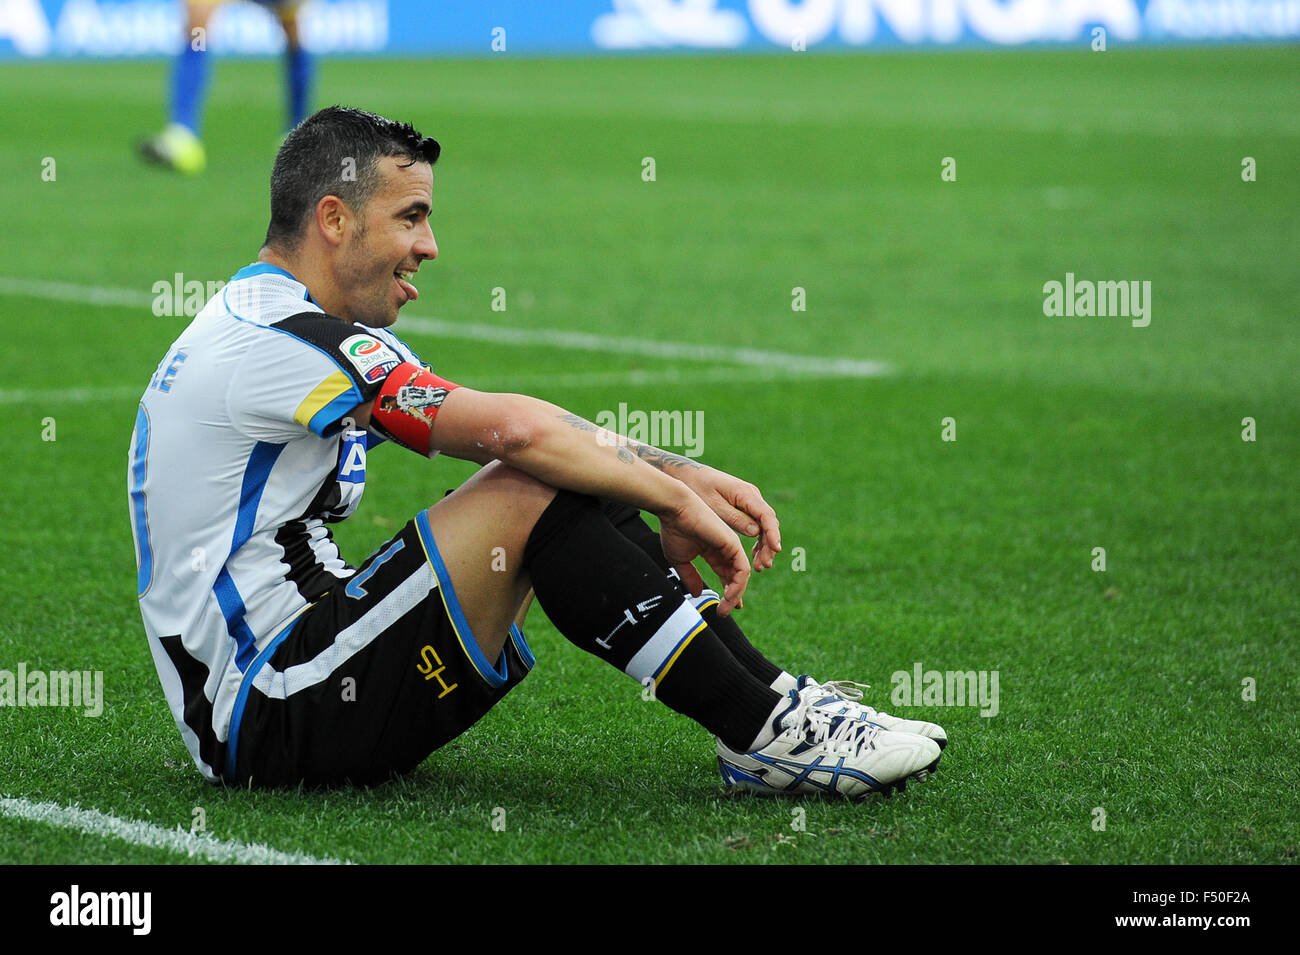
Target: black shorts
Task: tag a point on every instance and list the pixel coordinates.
(370, 679)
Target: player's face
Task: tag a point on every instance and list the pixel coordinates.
(392, 236)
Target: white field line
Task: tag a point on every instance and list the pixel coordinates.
(670, 375)
(81, 294)
(631, 377)
(57, 396)
(583, 341)
(807, 365)
(204, 846)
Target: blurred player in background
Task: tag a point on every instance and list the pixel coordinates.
(180, 145)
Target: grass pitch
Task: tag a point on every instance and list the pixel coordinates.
(1120, 691)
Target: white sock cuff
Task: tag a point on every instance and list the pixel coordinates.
(784, 683)
(660, 652)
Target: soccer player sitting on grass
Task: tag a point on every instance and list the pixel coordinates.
(283, 665)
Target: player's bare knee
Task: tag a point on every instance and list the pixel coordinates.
(500, 504)
(525, 492)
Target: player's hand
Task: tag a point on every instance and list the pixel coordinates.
(694, 531)
(741, 505)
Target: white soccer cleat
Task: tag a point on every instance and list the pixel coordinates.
(818, 750)
(850, 694)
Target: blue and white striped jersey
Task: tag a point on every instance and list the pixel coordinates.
(240, 459)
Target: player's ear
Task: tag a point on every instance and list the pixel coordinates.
(332, 218)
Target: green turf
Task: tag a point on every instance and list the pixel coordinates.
(1120, 690)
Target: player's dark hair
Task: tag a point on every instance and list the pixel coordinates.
(335, 152)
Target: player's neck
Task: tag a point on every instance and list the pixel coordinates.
(319, 286)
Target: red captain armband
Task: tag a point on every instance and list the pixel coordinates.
(407, 403)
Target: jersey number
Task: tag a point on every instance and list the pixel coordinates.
(354, 588)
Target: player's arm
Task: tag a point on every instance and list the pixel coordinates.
(739, 503)
(412, 396)
(562, 449)
(429, 414)
(360, 415)
(566, 451)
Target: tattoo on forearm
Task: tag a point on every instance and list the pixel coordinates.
(662, 459)
(629, 450)
(582, 424)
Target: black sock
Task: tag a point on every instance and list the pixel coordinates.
(607, 597)
(629, 521)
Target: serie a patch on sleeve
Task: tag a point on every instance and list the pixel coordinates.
(362, 356)
(372, 359)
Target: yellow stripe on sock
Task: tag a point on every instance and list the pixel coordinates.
(673, 659)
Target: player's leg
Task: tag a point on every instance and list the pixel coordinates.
(607, 595)
(629, 522)
(524, 607)
(403, 656)
(380, 671)
(503, 532)
(179, 145)
(480, 531)
(192, 67)
(418, 646)
(297, 64)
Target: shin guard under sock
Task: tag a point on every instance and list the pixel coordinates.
(609, 598)
(630, 523)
